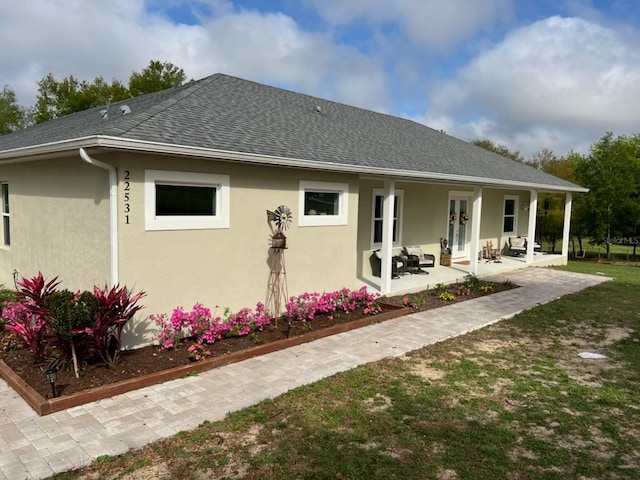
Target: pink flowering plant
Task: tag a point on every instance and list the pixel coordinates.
(204, 328)
(412, 304)
(198, 352)
(25, 322)
(8, 341)
(304, 307)
(463, 290)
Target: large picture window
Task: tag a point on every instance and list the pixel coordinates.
(6, 232)
(510, 215)
(186, 200)
(377, 209)
(323, 203)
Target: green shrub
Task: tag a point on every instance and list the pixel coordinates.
(471, 282)
(6, 295)
(71, 318)
(71, 313)
(441, 288)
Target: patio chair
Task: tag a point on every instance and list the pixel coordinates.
(517, 246)
(421, 259)
(375, 260)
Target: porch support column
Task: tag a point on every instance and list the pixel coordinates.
(475, 230)
(531, 233)
(568, 202)
(387, 235)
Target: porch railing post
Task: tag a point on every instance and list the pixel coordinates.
(475, 230)
(567, 226)
(531, 233)
(387, 235)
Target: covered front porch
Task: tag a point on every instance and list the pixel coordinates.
(409, 283)
(473, 218)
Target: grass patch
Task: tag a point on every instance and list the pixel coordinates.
(513, 400)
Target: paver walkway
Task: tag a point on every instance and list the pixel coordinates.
(34, 447)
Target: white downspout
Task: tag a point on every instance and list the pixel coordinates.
(113, 210)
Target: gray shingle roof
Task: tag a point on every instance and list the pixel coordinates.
(228, 113)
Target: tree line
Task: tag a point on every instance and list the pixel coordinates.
(609, 213)
(57, 98)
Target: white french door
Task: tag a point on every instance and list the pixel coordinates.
(459, 228)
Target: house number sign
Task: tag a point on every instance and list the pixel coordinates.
(127, 195)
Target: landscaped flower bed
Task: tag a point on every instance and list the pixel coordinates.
(189, 341)
(197, 340)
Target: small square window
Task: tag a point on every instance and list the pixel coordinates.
(323, 203)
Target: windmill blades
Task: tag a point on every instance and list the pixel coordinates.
(283, 217)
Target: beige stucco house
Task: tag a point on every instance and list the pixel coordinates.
(168, 193)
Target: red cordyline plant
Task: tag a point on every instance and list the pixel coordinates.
(36, 290)
(118, 306)
(26, 317)
(31, 318)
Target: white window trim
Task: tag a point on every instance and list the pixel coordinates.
(516, 207)
(5, 214)
(380, 192)
(186, 222)
(342, 189)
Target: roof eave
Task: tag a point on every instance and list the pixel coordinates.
(102, 141)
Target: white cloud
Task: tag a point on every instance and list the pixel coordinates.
(112, 39)
(559, 82)
(83, 38)
(273, 48)
(431, 23)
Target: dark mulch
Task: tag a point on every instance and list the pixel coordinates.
(151, 359)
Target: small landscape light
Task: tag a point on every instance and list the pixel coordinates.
(52, 376)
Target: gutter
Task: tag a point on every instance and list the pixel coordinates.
(103, 141)
(261, 159)
(113, 210)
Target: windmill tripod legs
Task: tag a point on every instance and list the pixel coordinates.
(277, 295)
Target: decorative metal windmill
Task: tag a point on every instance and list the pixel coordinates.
(277, 294)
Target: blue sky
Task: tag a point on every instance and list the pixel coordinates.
(530, 74)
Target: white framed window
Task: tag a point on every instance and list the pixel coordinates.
(323, 203)
(510, 214)
(6, 232)
(185, 200)
(376, 221)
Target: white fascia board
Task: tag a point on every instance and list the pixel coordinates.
(116, 142)
(28, 154)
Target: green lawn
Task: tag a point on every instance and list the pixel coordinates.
(621, 253)
(510, 401)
